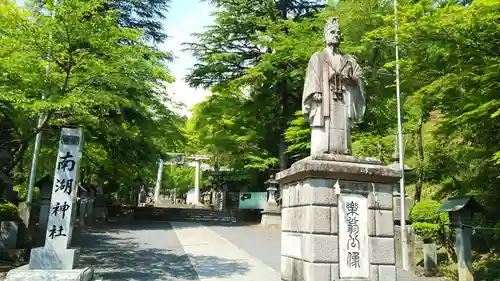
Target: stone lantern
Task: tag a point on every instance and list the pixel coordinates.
(271, 215)
(461, 211)
(271, 190)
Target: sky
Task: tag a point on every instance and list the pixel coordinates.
(184, 18)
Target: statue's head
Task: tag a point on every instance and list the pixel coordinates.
(332, 32)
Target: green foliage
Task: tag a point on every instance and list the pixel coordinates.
(260, 51)
(428, 231)
(219, 126)
(8, 212)
(180, 177)
(22, 189)
(426, 222)
(104, 76)
(425, 211)
(450, 77)
(449, 270)
(487, 266)
(298, 135)
(449, 85)
(143, 14)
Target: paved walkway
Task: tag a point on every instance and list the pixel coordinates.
(136, 252)
(238, 265)
(182, 251)
(178, 252)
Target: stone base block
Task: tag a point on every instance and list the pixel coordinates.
(49, 259)
(271, 219)
(23, 273)
(323, 196)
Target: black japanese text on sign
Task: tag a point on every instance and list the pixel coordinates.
(353, 247)
(66, 163)
(56, 231)
(60, 209)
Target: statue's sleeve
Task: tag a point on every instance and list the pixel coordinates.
(359, 102)
(357, 71)
(312, 82)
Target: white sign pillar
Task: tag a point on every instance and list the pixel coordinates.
(197, 182)
(354, 259)
(55, 254)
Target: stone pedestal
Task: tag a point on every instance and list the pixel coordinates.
(82, 211)
(464, 253)
(99, 211)
(90, 206)
(222, 205)
(414, 244)
(397, 208)
(337, 219)
(271, 216)
(430, 258)
(47, 258)
(23, 273)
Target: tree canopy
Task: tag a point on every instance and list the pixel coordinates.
(83, 68)
(254, 57)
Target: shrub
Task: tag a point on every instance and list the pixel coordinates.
(8, 212)
(426, 222)
(428, 231)
(449, 271)
(425, 211)
(22, 190)
(487, 266)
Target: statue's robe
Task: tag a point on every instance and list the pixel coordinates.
(331, 119)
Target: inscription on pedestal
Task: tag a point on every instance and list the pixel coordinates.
(353, 236)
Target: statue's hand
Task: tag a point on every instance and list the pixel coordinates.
(353, 77)
(306, 109)
(317, 97)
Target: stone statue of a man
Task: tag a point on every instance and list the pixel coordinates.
(333, 96)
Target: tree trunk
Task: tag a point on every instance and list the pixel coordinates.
(283, 156)
(420, 156)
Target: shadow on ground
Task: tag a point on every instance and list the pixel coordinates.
(147, 251)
